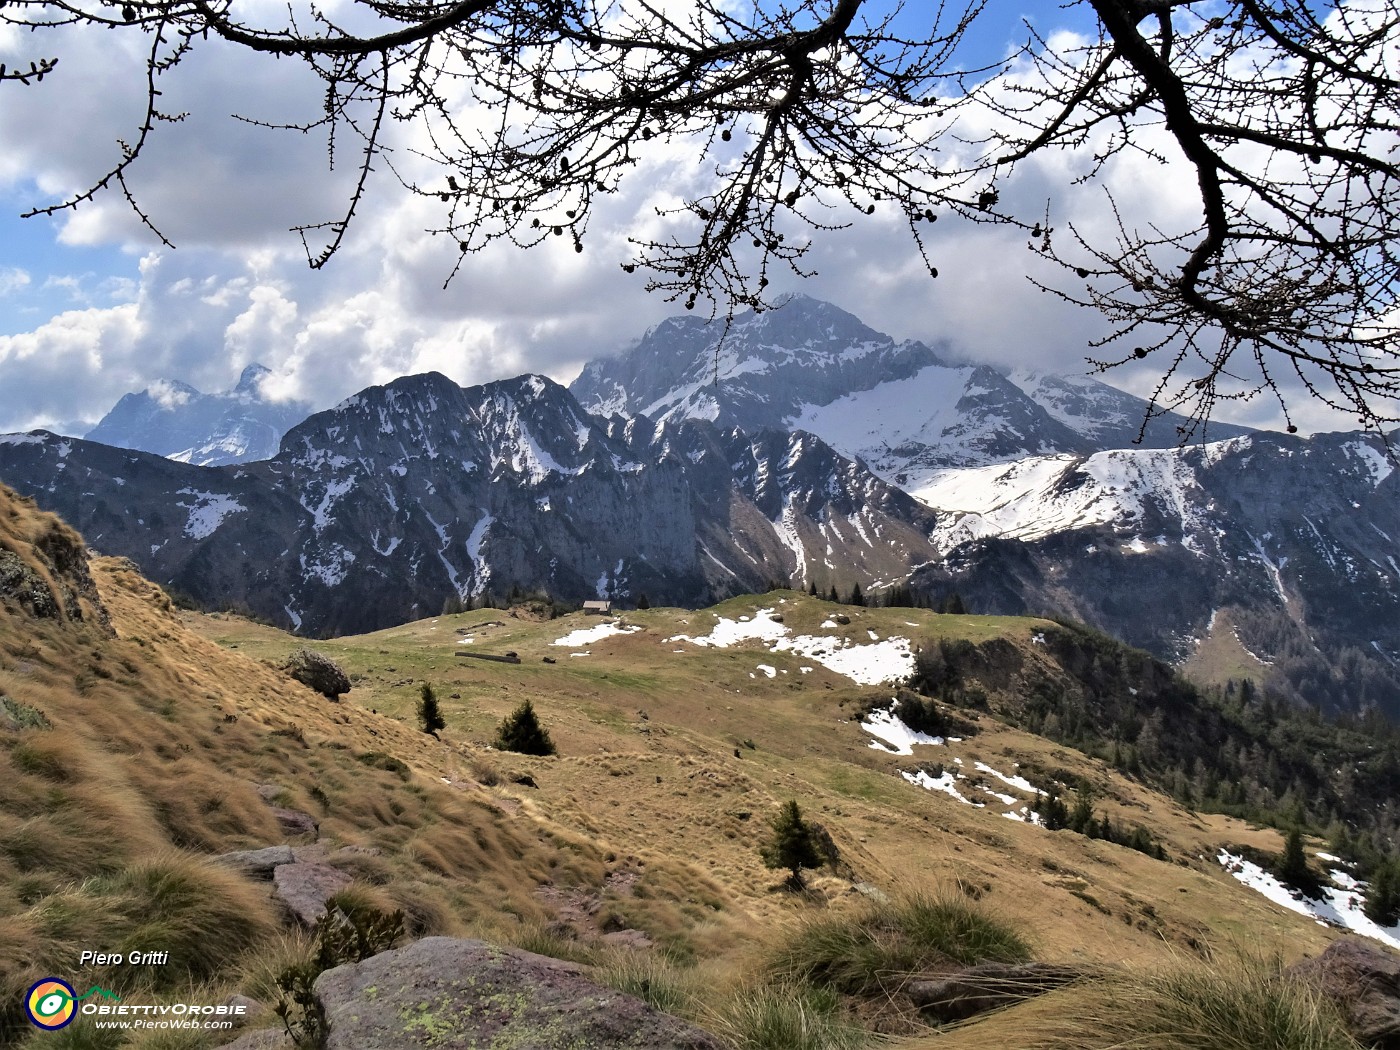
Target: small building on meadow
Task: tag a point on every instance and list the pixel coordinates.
(601, 608)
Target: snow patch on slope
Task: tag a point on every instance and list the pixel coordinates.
(1341, 904)
(208, 512)
(898, 738)
(588, 635)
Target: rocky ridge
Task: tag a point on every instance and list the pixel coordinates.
(408, 496)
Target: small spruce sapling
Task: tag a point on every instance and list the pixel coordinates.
(1383, 894)
(1292, 869)
(429, 717)
(794, 845)
(522, 733)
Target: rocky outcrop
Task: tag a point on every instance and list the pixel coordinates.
(258, 863)
(43, 566)
(1363, 980)
(305, 888)
(441, 991)
(319, 672)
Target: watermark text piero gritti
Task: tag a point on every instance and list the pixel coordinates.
(118, 958)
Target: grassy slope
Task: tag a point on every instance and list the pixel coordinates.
(670, 783)
(161, 732)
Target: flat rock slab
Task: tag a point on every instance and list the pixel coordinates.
(258, 863)
(304, 888)
(1363, 979)
(447, 992)
(986, 987)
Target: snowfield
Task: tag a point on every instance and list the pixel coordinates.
(588, 635)
(890, 660)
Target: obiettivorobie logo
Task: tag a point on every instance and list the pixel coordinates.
(52, 1004)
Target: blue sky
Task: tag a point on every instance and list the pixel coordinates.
(91, 306)
(60, 276)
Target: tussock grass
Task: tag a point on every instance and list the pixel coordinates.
(876, 949)
(656, 979)
(1242, 1004)
(78, 1036)
(786, 1017)
(205, 916)
(258, 974)
(545, 939)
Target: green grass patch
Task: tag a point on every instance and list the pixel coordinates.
(876, 950)
(786, 1017)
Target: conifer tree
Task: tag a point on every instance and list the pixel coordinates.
(1292, 869)
(857, 598)
(793, 846)
(1383, 894)
(953, 605)
(521, 732)
(833, 596)
(429, 717)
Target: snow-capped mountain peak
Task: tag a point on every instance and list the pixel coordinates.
(900, 407)
(171, 418)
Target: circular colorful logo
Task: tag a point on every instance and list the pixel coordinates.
(51, 1004)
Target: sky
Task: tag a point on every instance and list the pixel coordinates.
(93, 306)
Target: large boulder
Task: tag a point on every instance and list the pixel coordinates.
(318, 672)
(442, 992)
(1363, 979)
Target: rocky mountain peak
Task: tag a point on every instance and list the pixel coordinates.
(250, 381)
(172, 418)
(901, 407)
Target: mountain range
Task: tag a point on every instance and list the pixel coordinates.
(409, 495)
(796, 446)
(174, 419)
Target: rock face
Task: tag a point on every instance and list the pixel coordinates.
(176, 420)
(318, 672)
(305, 888)
(1281, 548)
(1364, 981)
(441, 991)
(408, 496)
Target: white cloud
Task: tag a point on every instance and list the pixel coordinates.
(12, 279)
(168, 395)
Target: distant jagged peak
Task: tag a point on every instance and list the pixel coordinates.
(250, 380)
(168, 394)
(172, 418)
